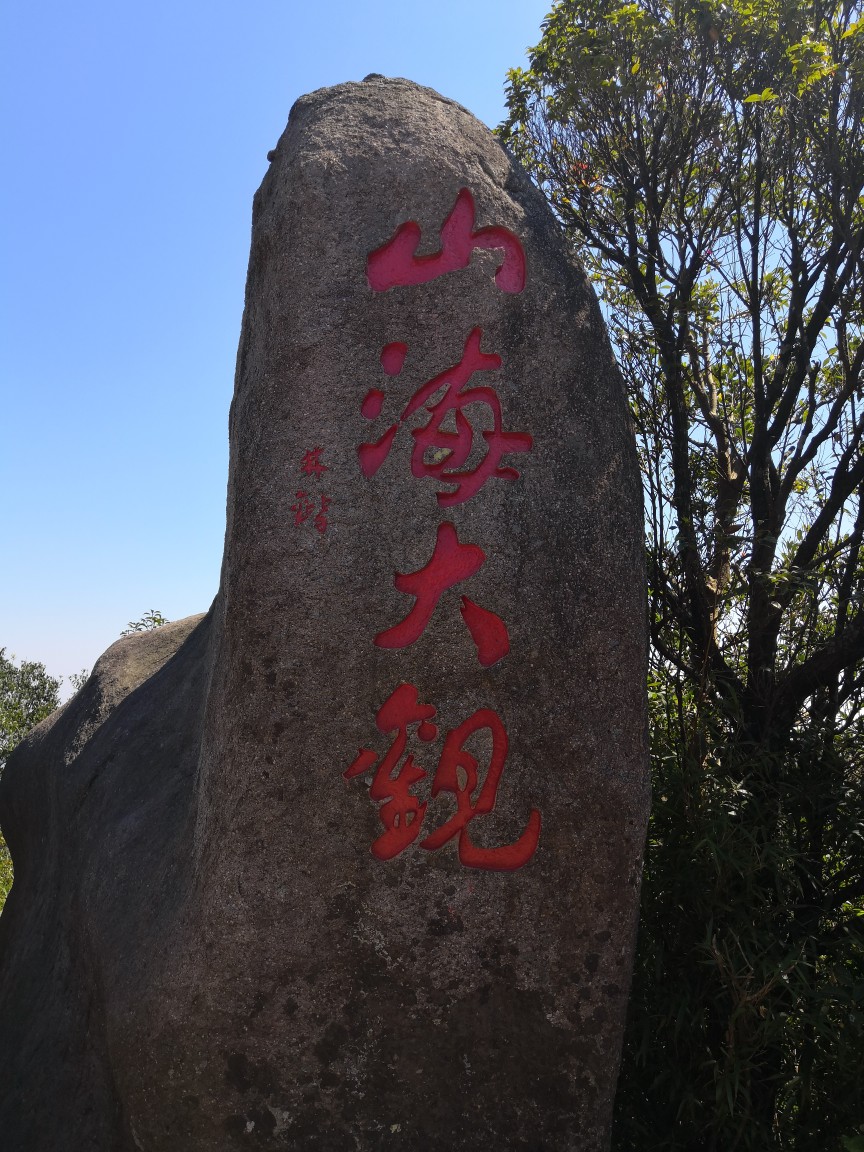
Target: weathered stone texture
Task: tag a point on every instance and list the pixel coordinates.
(225, 962)
(95, 808)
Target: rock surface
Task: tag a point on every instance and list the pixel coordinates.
(201, 950)
(95, 807)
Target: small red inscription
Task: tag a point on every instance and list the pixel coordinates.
(304, 503)
(402, 813)
(321, 518)
(303, 507)
(450, 450)
(396, 263)
(311, 464)
(451, 563)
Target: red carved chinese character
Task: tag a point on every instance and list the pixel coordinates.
(321, 518)
(451, 563)
(311, 464)
(454, 757)
(396, 263)
(401, 813)
(449, 450)
(303, 507)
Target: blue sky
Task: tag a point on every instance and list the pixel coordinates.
(134, 137)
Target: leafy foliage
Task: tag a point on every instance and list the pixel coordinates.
(707, 161)
(27, 695)
(6, 872)
(150, 620)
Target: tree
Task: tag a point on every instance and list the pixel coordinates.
(707, 160)
(27, 695)
(79, 679)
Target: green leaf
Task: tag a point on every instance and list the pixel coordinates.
(761, 97)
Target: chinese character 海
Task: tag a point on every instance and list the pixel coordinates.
(449, 450)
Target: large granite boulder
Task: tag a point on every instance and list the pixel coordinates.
(97, 809)
(353, 861)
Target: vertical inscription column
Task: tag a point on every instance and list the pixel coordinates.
(444, 456)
